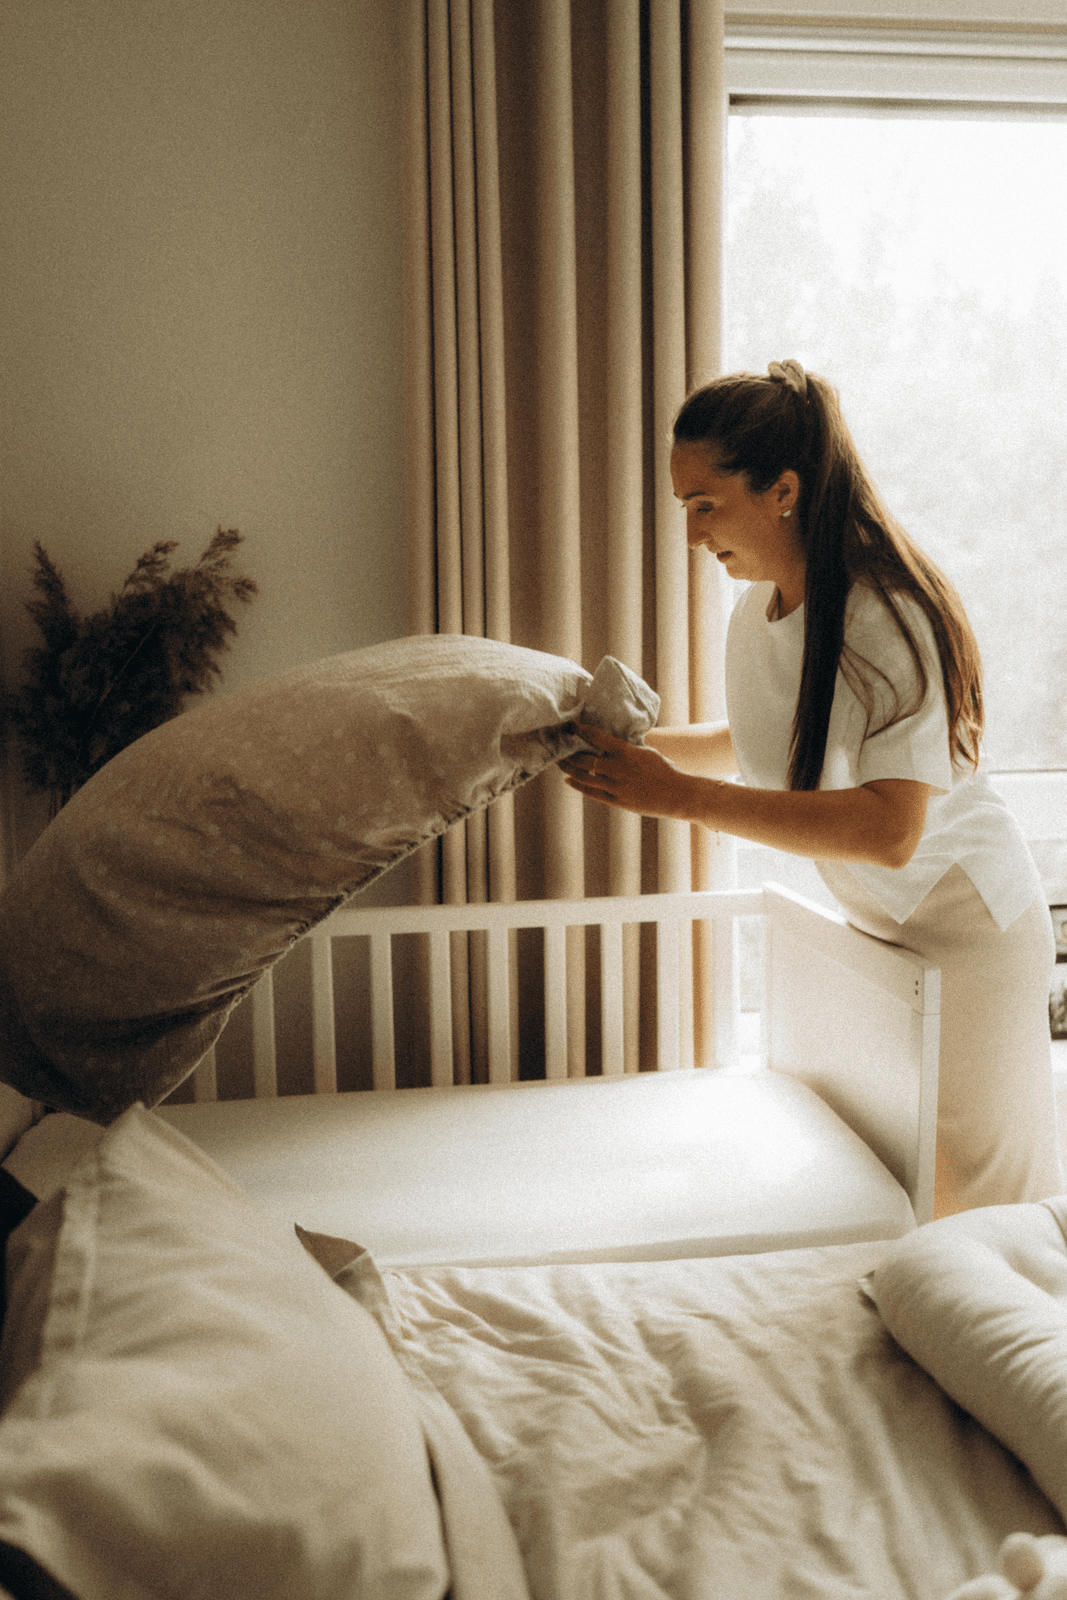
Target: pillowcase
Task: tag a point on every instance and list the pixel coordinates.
(16, 1203)
(980, 1301)
(483, 1550)
(17, 1116)
(196, 857)
(193, 1408)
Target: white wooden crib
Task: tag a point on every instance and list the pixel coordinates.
(828, 1139)
(673, 1161)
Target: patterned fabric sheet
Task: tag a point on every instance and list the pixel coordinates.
(733, 1429)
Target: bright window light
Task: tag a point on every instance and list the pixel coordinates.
(921, 265)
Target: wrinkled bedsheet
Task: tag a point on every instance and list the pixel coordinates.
(741, 1427)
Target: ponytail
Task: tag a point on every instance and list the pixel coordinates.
(792, 420)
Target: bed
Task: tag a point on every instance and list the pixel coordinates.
(669, 1333)
(639, 1298)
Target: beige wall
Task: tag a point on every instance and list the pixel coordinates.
(200, 309)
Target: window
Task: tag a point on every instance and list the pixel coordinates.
(894, 222)
(921, 264)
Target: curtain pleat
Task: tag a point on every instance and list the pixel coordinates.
(420, 509)
(562, 292)
(419, 498)
(624, 442)
(558, 446)
(558, 443)
(713, 856)
(499, 821)
(668, 383)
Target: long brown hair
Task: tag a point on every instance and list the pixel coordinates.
(791, 420)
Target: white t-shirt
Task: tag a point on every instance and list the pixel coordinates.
(967, 823)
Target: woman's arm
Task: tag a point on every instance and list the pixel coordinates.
(881, 822)
(704, 748)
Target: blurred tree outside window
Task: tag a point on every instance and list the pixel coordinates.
(920, 264)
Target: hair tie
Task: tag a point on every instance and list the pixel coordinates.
(792, 374)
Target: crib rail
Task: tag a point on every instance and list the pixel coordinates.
(854, 1018)
(671, 915)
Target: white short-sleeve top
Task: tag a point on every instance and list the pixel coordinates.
(967, 823)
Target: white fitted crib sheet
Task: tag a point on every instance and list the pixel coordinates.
(652, 1167)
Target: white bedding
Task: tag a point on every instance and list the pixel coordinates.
(735, 1428)
(732, 1429)
(980, 1301)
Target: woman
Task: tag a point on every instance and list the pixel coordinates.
(853, 688)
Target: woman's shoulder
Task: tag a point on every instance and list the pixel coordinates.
(755, 597)
(751, 612)
(872, 616)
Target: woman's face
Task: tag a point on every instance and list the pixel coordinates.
(753, 534)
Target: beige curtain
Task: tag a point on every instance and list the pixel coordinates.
(564, 189)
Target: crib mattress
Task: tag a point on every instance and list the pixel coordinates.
(653, 1167)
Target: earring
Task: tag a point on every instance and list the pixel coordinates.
(788, 512)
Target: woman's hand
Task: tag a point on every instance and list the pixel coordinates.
(633, 777)
(881, 821)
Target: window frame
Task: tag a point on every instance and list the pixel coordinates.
(835, 63)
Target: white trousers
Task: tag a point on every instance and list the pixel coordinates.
(996, 1112)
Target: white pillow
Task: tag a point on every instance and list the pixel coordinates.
(483, 1550)
(17, 1116)
(980, 1301)
(198, 1410)
(197, 856)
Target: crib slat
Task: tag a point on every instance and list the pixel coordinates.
(576, 1062)
(440, 1009)
(668, 999)
(323, 1034)
(555, 1001)
(612, 1061)
(686, 1039)
(462, 1041)
(478, 1004)
(264, 1056)
(383, 1041)
(727, 985)
(631, 967)
(206, 1080)
(499, 953)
